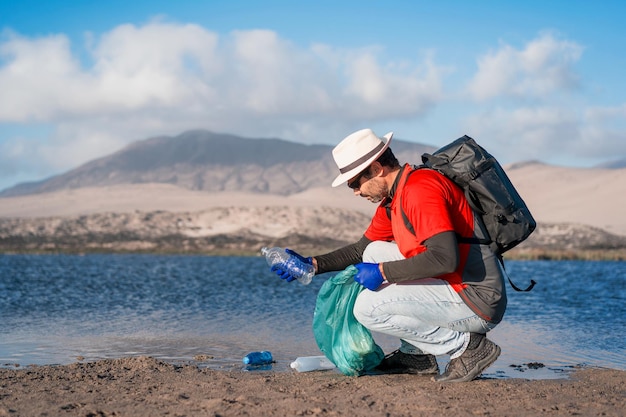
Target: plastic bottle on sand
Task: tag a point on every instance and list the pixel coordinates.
(258, 358)
(302, 271)
(312, 363)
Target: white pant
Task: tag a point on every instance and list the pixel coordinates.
(426, 314)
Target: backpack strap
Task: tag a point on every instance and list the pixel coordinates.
(515, 287)
(472, 240)
(405, 219)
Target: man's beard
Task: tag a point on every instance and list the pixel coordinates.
(378, 192)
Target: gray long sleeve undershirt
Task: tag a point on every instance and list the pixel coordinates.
(440, 257)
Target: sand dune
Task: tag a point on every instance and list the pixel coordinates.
(594, 197)
(149, 197)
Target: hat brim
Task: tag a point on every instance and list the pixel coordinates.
(341, 178)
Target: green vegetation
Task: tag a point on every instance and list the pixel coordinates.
(567, 255)
(245, 250)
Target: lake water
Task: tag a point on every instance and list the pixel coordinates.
(213, 310)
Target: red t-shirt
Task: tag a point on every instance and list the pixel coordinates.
(432, 204)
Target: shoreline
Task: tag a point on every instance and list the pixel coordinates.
(515, 254)
(144, 386)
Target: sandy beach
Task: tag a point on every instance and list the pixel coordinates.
(144, 386)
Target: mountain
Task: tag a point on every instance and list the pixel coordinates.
(207, 161)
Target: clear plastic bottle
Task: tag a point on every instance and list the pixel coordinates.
(302, 271)
(258, 358)
(312, 363)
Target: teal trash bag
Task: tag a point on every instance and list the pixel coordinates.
(345, 341)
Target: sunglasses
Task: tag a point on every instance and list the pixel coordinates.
(356, 182)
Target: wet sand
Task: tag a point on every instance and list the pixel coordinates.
(144, 386)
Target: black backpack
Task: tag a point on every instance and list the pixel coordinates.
(489, 192)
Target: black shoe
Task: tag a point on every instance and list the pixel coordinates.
(404, 363)
(478, 356)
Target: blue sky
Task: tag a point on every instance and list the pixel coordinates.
(530, 80)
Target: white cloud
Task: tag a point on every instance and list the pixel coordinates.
(162, 65)
(133, 68)
(271, 77)
(542, 123)
(36, 78)
(606, 114)
(545, 65)
(155, 66)
(388, 91)
(525, 133)
(551, 133)
(164, 78)
(604, 132)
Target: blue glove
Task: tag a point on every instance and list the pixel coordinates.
(283, 269)
(369, 276)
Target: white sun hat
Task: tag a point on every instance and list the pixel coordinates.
(357, 151)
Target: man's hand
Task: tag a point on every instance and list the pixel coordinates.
(369, 276)
(283, 269)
